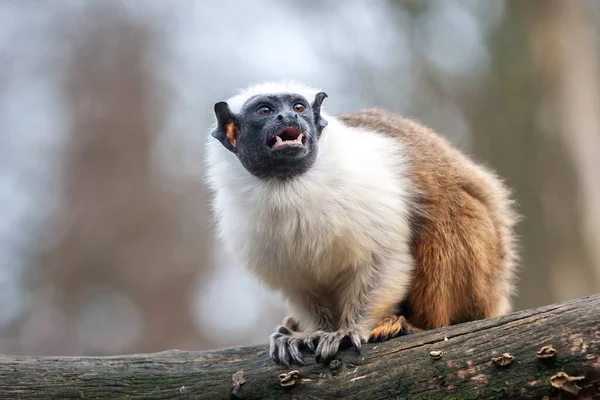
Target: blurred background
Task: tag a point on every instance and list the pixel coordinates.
(106, 242)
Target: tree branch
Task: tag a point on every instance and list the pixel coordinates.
(399, 368)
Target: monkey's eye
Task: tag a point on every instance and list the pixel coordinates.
(264, 110)
(299, 107)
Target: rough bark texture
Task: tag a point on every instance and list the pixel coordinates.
(402, 368)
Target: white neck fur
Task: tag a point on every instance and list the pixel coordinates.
(350, 204)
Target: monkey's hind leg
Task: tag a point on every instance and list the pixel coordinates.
(390, 328)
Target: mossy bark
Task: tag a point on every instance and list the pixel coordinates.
(398, 369)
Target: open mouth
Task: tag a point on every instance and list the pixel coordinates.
(288, 136)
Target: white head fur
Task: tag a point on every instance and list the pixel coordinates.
(236, 102)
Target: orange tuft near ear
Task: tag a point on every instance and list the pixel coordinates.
(231, 133)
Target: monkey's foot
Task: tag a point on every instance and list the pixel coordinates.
(326, 344)
(390, 328)
(284, 346)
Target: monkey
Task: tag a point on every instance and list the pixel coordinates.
(370, 224)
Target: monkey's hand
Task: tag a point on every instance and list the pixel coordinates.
(328, 343)
(390, 328)
(287, 342)
(285, 345)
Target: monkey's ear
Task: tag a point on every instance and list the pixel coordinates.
(320, 122)
(228, 126)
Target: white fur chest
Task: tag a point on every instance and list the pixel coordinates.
(350, 205)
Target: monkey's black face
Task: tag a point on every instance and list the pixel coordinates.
(274, 135)
(278, 135)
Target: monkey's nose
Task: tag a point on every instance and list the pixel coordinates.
(287, 116)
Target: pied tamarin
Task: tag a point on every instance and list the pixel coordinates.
(371, 225)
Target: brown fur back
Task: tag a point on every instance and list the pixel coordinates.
(462, 224)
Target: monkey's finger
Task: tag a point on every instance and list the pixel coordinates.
(273, 351)
(295, 351)
(313, 340)
(330, 350)
(328, 347)
(277, 349)
(310, 344)
(319, 348)
(319, 351)
(355, 339)
(282, 351)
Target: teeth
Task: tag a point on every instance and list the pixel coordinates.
(280, 141)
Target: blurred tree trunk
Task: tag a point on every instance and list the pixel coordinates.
(531, 109)
(121, 229)
(566, 62)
